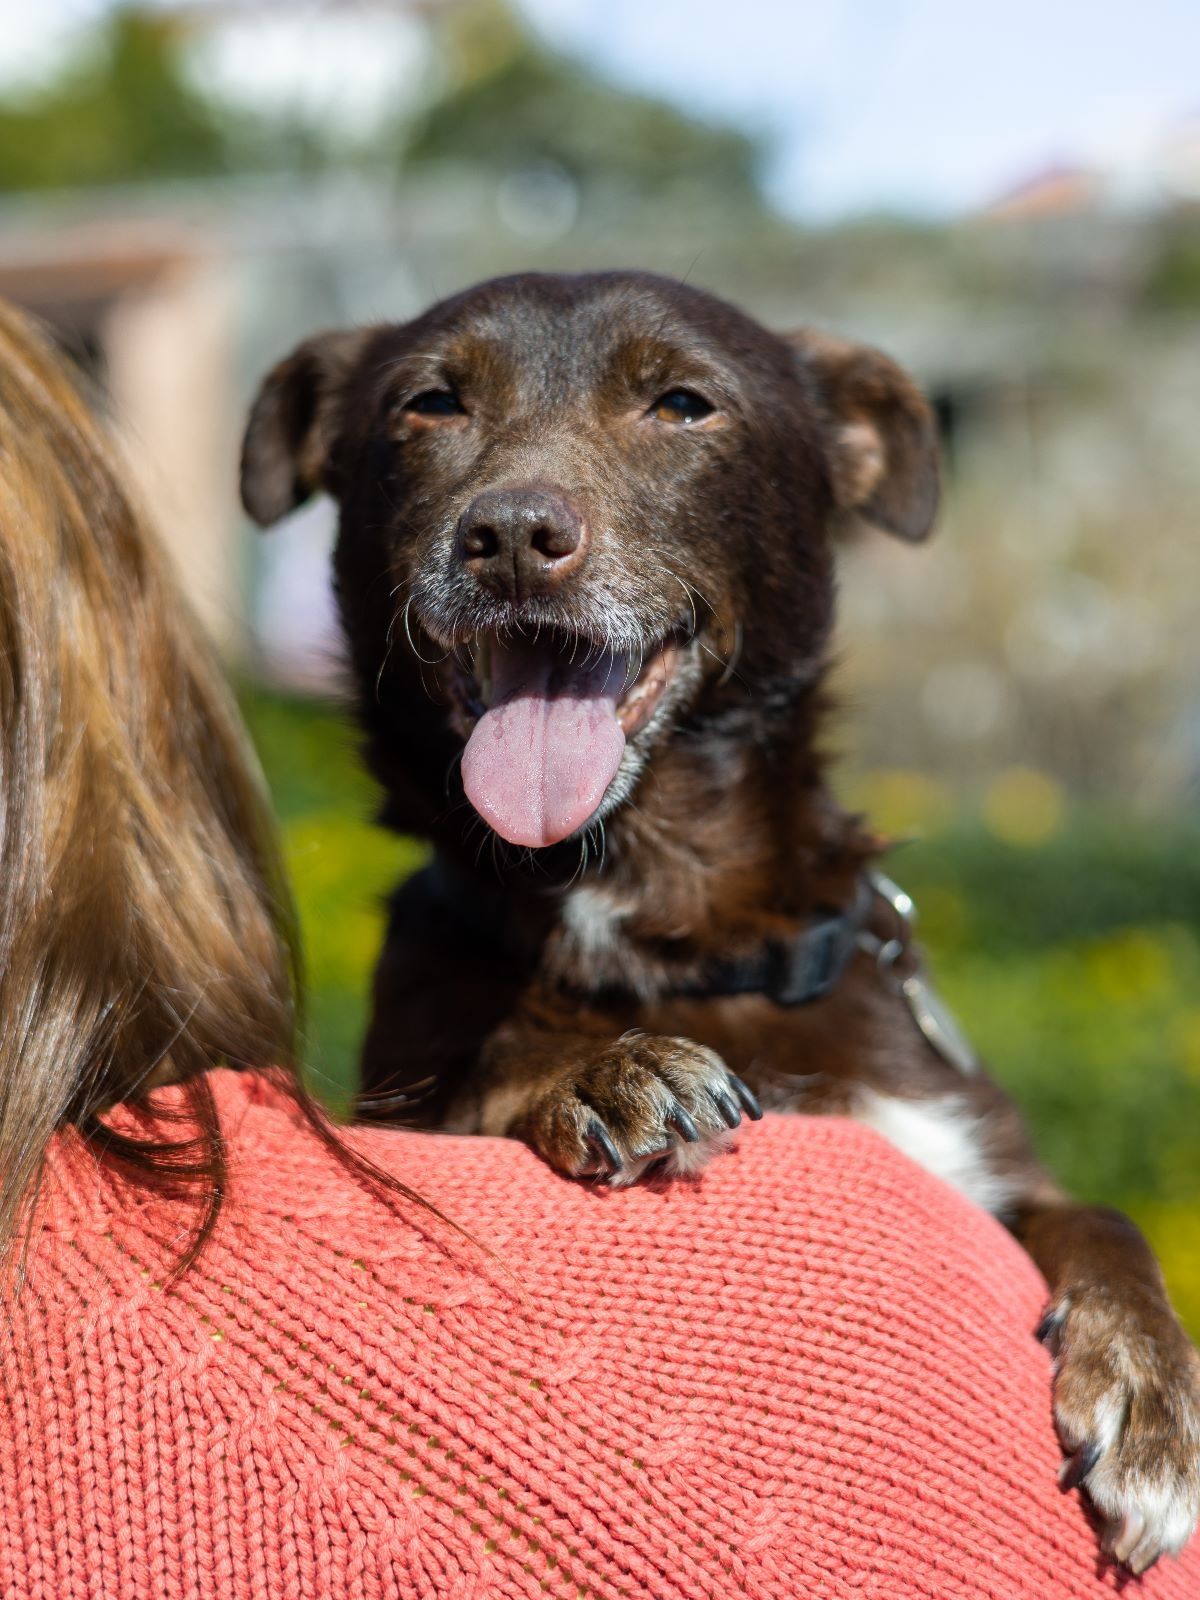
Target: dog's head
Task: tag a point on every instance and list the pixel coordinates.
(592, 494)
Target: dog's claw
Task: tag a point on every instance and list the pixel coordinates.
(1134, 1544)
(683, 1124)
(1049, 1328)
(1076, 1468)
(749, 1104)
(728, 1107)
(599, 1136)
(1128, 1536)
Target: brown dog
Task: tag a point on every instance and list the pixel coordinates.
(586, 577)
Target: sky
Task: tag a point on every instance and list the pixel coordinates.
(929, 105)
(925, 106)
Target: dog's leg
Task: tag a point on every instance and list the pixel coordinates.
(605, 1105)
(438, 996)
(1127, 1379)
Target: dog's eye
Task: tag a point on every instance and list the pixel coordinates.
(681, 405)
(435, 403)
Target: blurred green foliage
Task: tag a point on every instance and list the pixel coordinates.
(1077, 966)
(1173, 279)
(120, 109)
(342, 868)
(123, 108)
(1075, 963)
(511, 104)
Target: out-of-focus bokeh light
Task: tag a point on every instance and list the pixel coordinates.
(1024, 807)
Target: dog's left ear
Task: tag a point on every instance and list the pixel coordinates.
(882, 442)
(289, 438)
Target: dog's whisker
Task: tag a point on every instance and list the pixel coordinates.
(687, 592)
(455, 761)
(412, 643)
(731, 665)
(387, 656)
(581, 865)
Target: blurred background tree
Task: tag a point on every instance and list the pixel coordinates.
(125, 107)
(509, 104)
(120, 109)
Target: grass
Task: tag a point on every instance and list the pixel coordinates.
(341, 866)
(1074, 959)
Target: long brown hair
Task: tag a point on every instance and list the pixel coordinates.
(146, 930)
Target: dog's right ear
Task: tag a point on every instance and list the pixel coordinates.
(882, 445)
(293, 425)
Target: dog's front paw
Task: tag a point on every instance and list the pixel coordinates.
(646, 1100)
(1127, 1406)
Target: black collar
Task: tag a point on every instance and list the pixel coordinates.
(792, 972)
(797, 971)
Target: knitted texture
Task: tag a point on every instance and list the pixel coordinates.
(810, 1373)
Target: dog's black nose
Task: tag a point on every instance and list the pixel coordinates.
(521, 542)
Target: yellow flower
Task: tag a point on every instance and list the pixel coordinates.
(1130, 966)
(1185, 1036)
(1024, 807)
(900, 802)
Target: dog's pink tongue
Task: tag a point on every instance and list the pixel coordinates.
(540, 759)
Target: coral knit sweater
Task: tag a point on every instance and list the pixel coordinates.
(810, 1373)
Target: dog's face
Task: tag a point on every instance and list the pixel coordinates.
(595, 497)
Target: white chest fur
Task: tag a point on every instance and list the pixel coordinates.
(592, 919)
(942, 1136)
